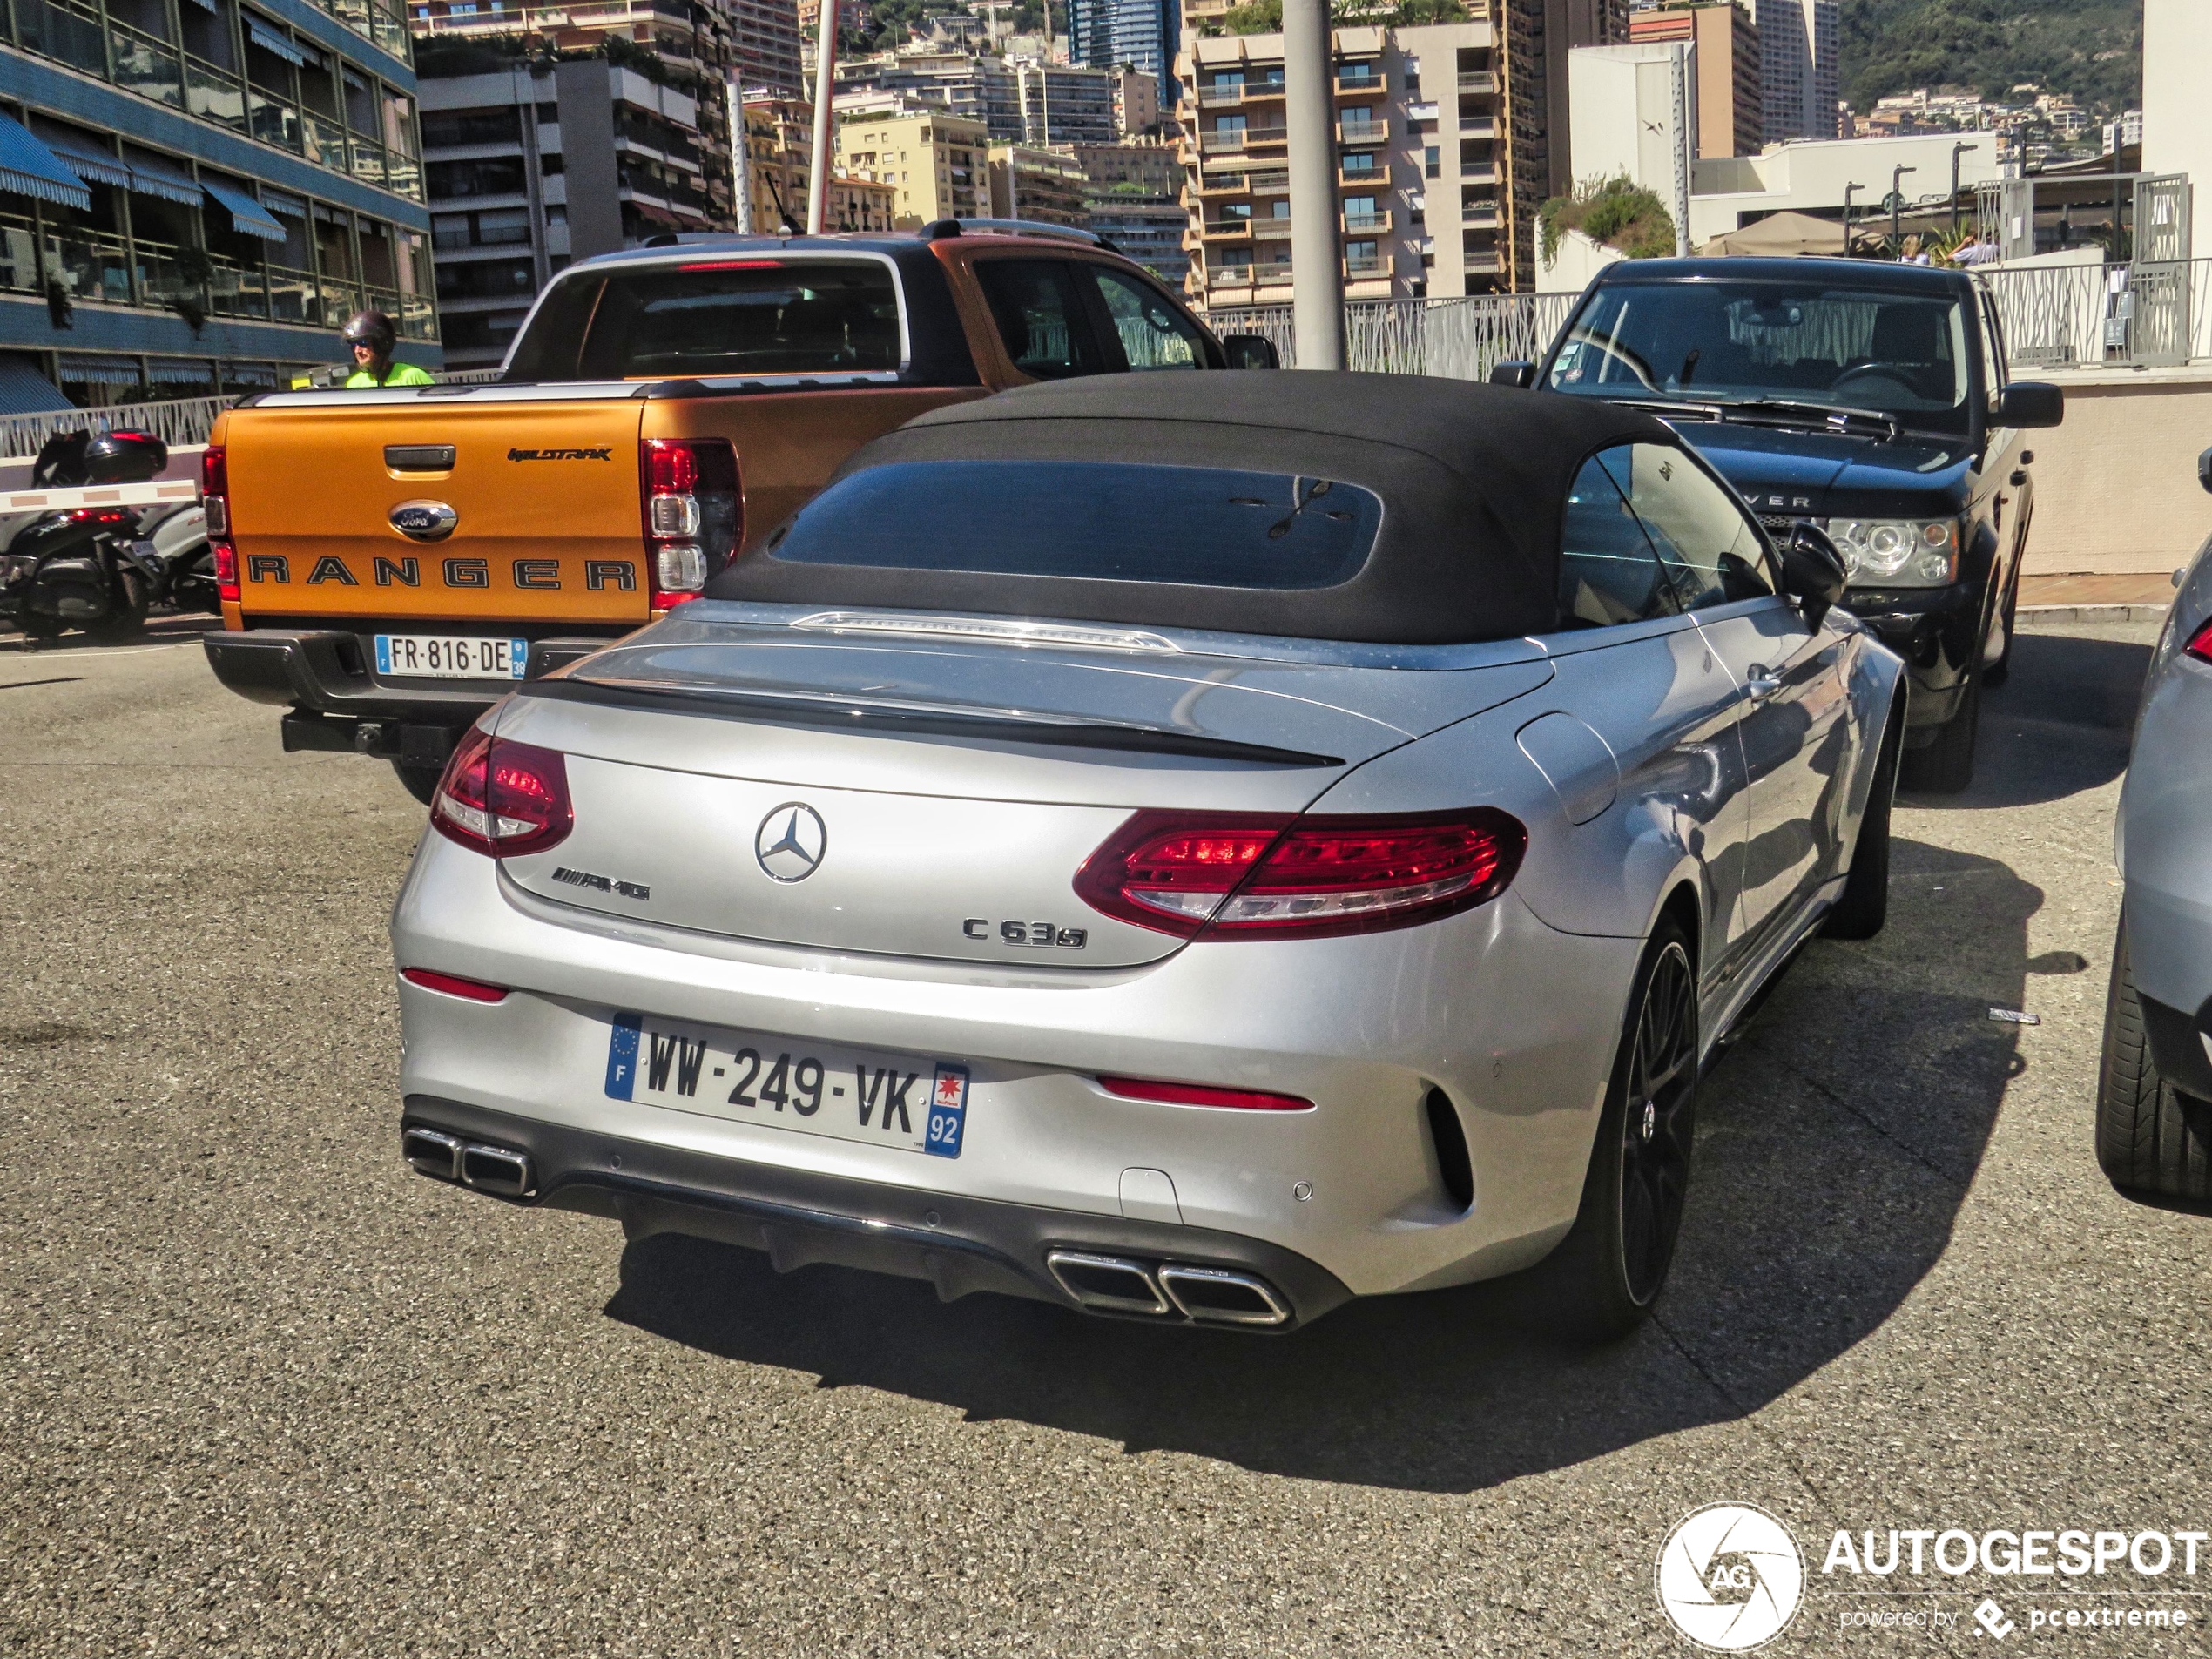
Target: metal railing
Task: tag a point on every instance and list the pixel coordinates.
(178, 422)
(2143, 315)
(1459, 339)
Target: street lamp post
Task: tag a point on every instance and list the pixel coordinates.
(1317, 265)
(1897, 202)
(1957, 150)
(1849, 191)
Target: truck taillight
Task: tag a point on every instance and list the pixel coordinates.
(694, 514)
(215, 495)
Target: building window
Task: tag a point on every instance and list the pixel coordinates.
(1433, 162)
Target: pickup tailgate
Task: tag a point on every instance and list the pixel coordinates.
(543, 495)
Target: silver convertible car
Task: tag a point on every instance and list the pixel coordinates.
(1194, 849)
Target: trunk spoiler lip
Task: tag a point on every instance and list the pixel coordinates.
(848, 712)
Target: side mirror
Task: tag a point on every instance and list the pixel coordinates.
(1813, 573)
(2028, 403)
(1250, 351)
(2204, 469)
(1512, 371)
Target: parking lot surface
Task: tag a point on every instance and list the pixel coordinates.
(268, 1393)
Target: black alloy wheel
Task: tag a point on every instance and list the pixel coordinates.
(1659, 1123)
(1601, 1281)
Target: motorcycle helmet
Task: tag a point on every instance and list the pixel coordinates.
(123, 457)
(373, 329)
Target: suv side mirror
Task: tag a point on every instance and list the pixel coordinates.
(1812, 571)
(2028, 403)
(1250, 351)
(1512, 371)
(2204, 469)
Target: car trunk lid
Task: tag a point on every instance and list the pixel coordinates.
(931, 798)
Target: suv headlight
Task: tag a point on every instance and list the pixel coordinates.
(1896, 552)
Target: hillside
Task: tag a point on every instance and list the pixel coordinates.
(2093, 48)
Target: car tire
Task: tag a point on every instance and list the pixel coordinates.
(1601, 1281)
(2150, 1137)
(1866, 902)
(421, 780)
(1946, 766)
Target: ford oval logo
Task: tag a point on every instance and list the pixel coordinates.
(424, 521)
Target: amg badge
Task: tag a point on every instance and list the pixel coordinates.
(602, 884)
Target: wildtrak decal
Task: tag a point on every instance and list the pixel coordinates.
(560, 454)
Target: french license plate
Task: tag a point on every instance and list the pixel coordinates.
(447, 656)
(814, 1088)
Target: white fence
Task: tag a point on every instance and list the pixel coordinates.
(179, 422)
(2144, 315)
(1458, 339)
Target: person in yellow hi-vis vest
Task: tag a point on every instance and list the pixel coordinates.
(371, 336)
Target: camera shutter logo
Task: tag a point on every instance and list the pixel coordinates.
(1730, 1577)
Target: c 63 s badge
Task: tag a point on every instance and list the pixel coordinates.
(1048, 934)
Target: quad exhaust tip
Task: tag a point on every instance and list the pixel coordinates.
(1203, 1295)
(499, 1170)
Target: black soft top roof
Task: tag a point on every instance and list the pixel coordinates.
(1472, 479)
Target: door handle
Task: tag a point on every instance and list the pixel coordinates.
(1762, 684)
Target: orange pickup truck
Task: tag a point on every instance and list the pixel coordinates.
(392, 560)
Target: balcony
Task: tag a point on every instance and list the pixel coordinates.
(1275, 229)
(1225, 141)
(1366, 224)
(1377, 175)
(1277, 183)
(1228, 230)
(1481, 213)
(1479, 173)
(1363, 130)
(1478, 127)
(1479, 80)
(1359, 78)
(1368, 269)
(1229, 97)
(1487, 260)
(1420, 112)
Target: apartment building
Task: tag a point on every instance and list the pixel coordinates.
(938, 164)
(1151, 233)
(1800, 80)
(691, 46)
(1731, 109)
(1108, 34)
(538, 165)
(779, 166)
(1136, 102)
(1427, 190)
(1046, 185)
(1151, 168)
(193, 197)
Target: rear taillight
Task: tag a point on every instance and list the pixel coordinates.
(215, 495)
(1251, 873)
(502, 798)
(473, 990)
(1249, 1100)
(694, 510)
(2200, 645)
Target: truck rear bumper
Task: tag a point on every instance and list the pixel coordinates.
(326, 672)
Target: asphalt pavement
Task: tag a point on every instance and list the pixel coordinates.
(266, 1391)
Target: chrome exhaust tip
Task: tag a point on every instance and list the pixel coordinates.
(431, 1153)
(1216, 1296)
(1107, 1283)
(494, 1169)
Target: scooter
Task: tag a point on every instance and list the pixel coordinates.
(81, 567)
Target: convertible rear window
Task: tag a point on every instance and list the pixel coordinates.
(1107, 521)
(714, 317)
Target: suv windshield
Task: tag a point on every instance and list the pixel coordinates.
(722, 316)
(1828, 344)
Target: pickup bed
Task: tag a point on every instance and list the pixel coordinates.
(393, 560)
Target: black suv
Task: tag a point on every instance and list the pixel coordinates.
(1870, 399)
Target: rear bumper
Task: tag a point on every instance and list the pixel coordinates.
(960, 1244)
(326, 677)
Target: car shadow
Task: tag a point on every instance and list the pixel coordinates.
(1836, 1141)
(2071, 698)
(159, 630)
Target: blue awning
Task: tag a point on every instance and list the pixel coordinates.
(152, 175)
(248, 217)
(100, 371)
(180, 372)
(286, 205)
(24, 390)
(29, 168)
(84, 155)
(266, 36)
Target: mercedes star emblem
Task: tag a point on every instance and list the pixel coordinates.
(790, 841)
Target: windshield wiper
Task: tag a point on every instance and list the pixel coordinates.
(1706, 407)
(1829, 415)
